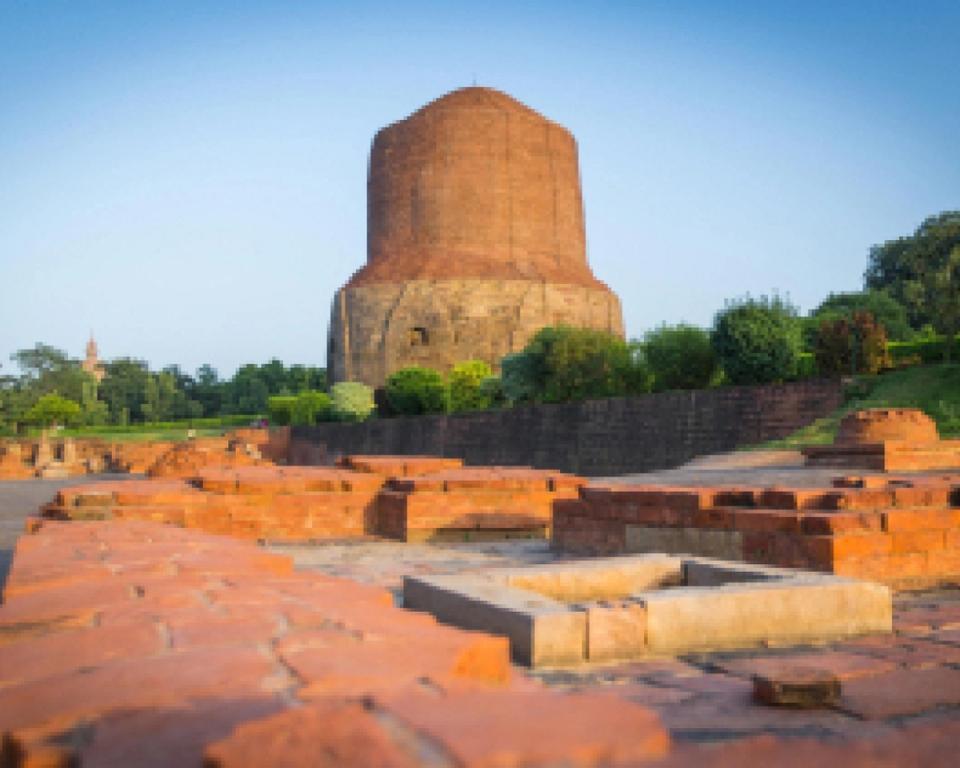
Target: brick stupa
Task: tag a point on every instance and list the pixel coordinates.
(887, 439)
(475, 241)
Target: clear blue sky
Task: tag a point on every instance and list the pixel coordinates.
(188, 179)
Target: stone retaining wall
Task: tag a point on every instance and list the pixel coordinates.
(594, 437)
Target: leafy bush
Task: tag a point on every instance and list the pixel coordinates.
(351, 401)
(414, 390)
(886, 311)
(563, 363)
(491, 388)
(851, 345)
(757, 340)
(310, 407)
(519, 377)
(53, 409)
(465, 386)
(280, 408)
(679, 357)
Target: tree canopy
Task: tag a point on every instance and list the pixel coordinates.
(758, 341)
(131, 393)
(920, 271)
(885, 309)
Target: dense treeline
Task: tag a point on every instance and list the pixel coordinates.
(53, 388)
(908, 313)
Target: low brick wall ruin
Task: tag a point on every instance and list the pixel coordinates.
(595, 437)
(898, 530)
(59, 457)
(385, 496)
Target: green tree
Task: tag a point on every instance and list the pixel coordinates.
(563, 363)
(465, 384)
(94, 410)
(14, 403)
(918, 268)
(248, 390)
(857, 344)
(45, 369)
(940, 286)
(679, 357)
(280, 409)
(207, 389)
(520, 377)
(885, 309)
(41, 359)
(303, 377)
(416, 390)
(757, 340)
(52, 409)
(124, 389)
(491, 390)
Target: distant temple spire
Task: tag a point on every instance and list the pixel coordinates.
(91, 363)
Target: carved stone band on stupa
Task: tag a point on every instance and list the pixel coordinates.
(475, 241)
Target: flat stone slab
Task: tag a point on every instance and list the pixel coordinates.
(635, 606)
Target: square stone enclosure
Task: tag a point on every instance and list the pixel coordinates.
(629, 607)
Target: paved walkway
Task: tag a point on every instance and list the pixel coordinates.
(21, 498)
(741, 468)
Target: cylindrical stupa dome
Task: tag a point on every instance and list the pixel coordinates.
(475, 184)
(475, 241)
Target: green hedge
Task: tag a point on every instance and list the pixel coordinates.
(280, 409)
(415, 390)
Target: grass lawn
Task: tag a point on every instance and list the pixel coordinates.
(935, 389)
(143, 435)
(170, 430)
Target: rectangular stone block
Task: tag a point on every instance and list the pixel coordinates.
(686, 619)
(542, 632)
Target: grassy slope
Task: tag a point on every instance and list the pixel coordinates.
(933, 388)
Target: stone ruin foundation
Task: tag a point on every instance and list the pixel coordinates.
(900, 530)
(54, 458)
(620, 608)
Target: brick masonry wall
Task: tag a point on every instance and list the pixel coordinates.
(595, 437)
(373, 328)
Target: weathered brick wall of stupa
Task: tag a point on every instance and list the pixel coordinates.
(475, 241)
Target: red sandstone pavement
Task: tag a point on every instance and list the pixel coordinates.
(139, 644)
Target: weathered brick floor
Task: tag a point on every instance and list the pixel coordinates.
(889, 684)
(22, 498)
(190, 655)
